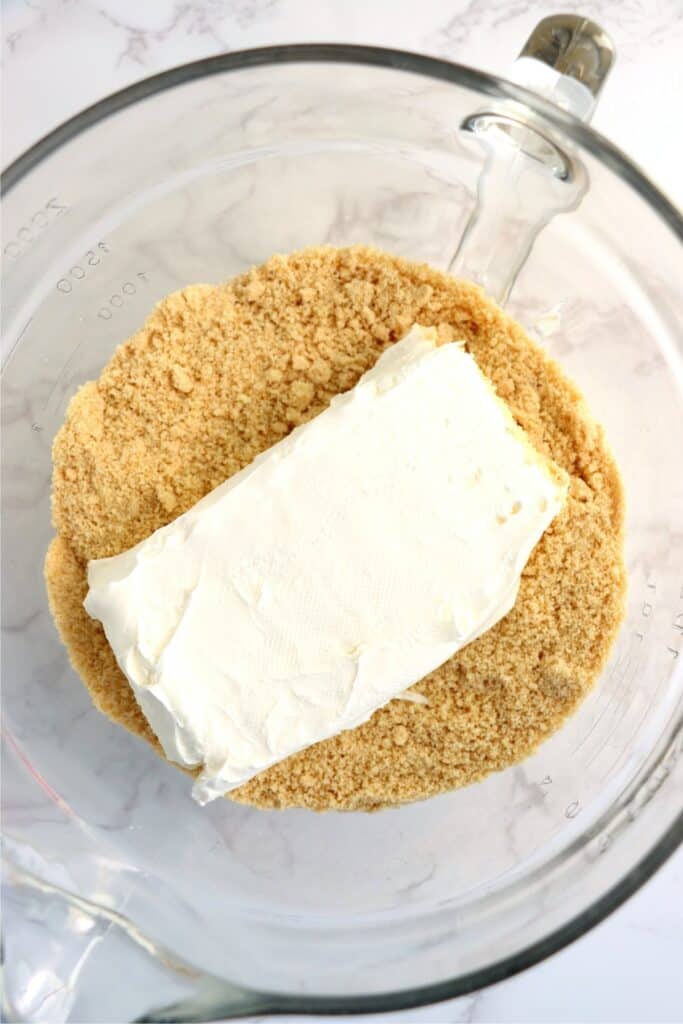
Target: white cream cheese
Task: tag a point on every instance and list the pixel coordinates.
(339, 568)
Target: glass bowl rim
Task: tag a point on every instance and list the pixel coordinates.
(615, 160)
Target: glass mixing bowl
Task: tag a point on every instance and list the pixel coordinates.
(193, 176)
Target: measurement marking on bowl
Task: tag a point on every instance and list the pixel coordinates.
(677, 626)
(646, 610)
(33, 227)
(544, 786)
(92, 258)
(622, 707)
(627, 746)
(617, 697)
(117, 300)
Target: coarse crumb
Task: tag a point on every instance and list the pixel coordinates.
(218, 374)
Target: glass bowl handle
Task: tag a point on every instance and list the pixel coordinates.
(529, 174)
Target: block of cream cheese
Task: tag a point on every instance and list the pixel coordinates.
(338, 569)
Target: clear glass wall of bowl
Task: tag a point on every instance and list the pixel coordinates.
(196, 183)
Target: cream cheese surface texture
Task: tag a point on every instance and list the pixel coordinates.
(334, 572)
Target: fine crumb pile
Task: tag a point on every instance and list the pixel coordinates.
(220, 373)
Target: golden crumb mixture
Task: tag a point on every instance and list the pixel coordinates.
(218, 374)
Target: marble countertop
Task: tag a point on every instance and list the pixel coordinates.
(62, 56)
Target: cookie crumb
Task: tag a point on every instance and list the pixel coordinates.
(181, 380)
(219, 374)
(400, 735)
(167, 498)
(301, 394)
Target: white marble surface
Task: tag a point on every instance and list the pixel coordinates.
(81, 50)
(60, 57)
